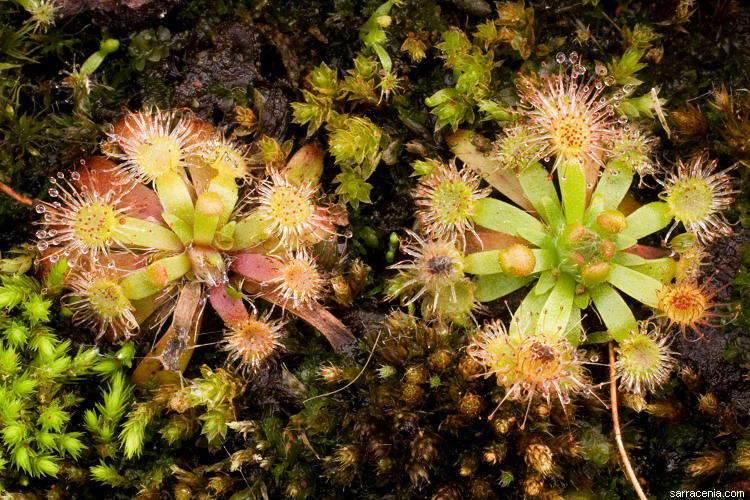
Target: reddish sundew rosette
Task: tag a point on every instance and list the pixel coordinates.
(446, 199)
(86, 216)
(696, 197)
(227, 158)
(300, 280)
(689, 305)
(529, 364)
(437, 268)
(156, 142)
(252, 342)
(98, 300)
(289, 213)
(568, 118)
(644, 360)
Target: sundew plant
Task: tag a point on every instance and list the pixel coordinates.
(569, 232)
(180, 219)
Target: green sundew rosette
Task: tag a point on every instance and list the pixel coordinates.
(576, 260)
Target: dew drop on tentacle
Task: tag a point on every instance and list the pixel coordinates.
(560, 58)
(75, 176)
(52, 233)
(41, 234)
(54, 258)
(40, 209)
(42, 246)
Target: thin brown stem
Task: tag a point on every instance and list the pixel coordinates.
(18, 197)
(616, 420)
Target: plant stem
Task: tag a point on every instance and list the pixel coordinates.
(616, 420)
(18, 197)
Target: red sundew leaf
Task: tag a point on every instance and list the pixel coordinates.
(232, 311)
(341, 339)
(104, 173)
(257, 267)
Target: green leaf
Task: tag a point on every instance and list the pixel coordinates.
(582, 300)
(558, 307)
(249, 231)
(573, 189)
(538, 238)
(573, 329)
(648, 219)
(613, 310)
(546, 281)
(463, 143)
(552, 213)
(146, 234)
(175, 196)
(107, 474)
(503, 217)
(71, 444)
(526, 317)
(536, 184)
(663, 269)
(639, 286)
(601, 337)
(494, 286)
(613, 188)
(488, 262)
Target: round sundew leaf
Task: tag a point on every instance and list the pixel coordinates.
(341, 339)
(458, 311)
(614, 311)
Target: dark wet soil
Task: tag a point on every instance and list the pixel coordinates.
(706, 357)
